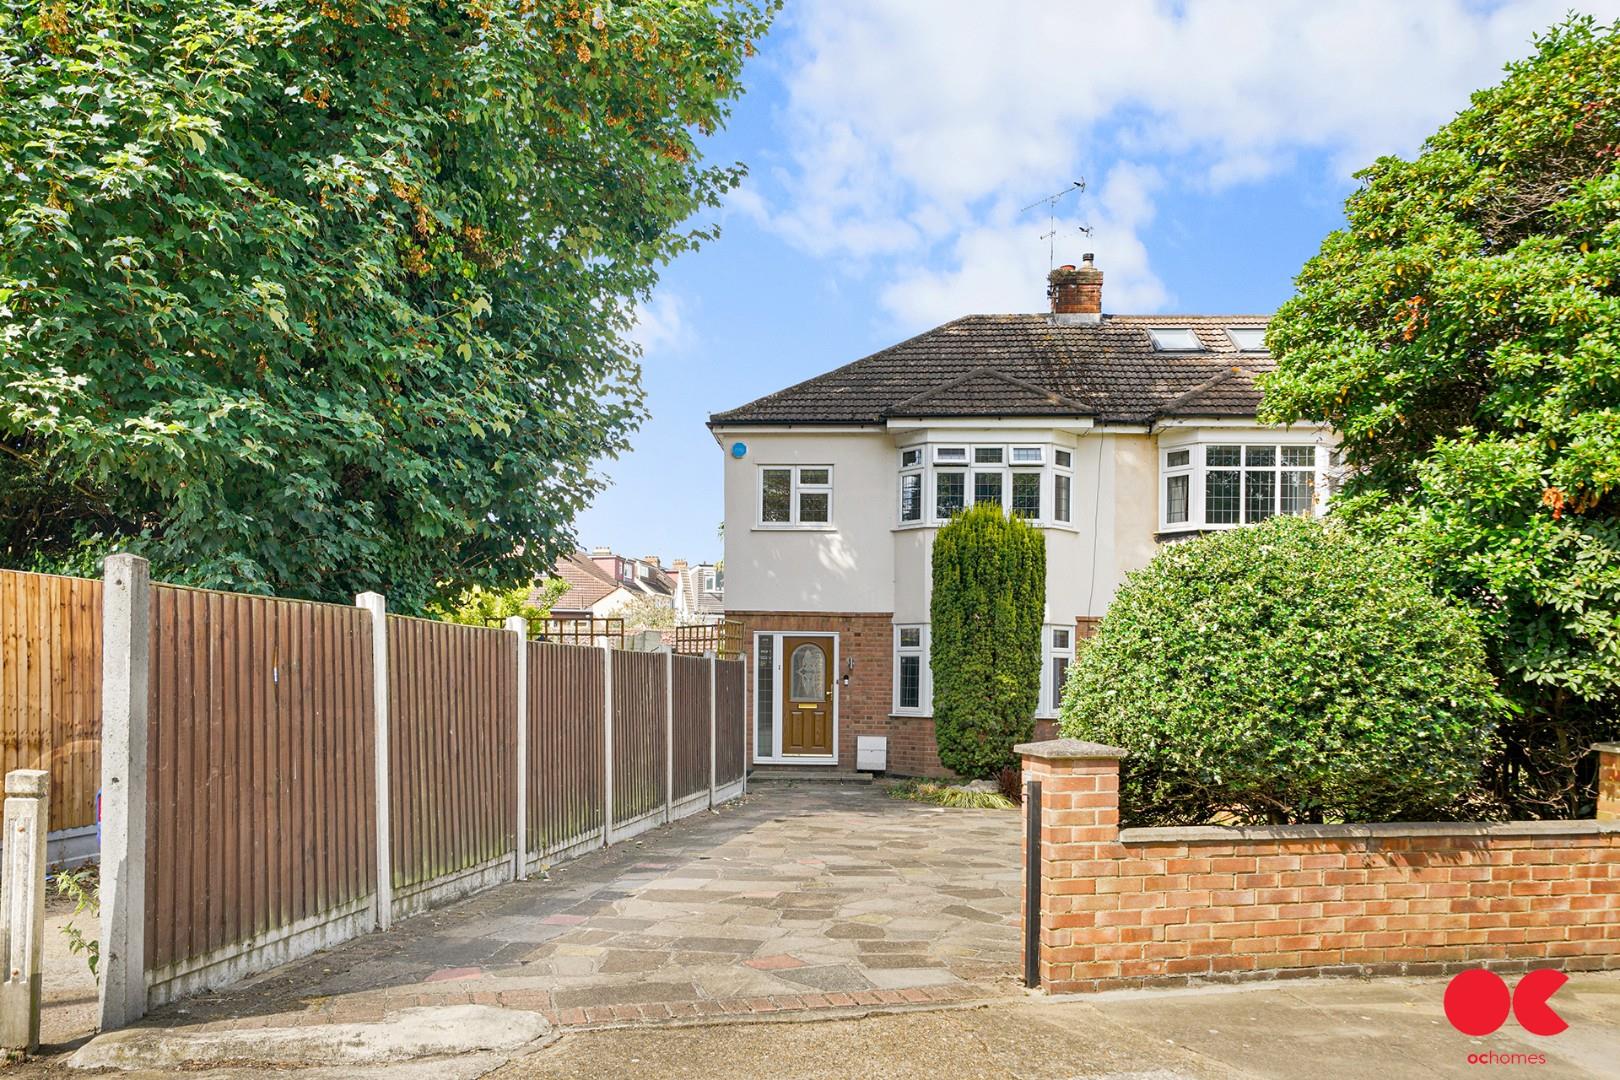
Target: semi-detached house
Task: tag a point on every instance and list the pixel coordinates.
(1111, 433)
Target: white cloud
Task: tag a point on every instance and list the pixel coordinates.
(1001, 265)
(918, 126)
(660, 324)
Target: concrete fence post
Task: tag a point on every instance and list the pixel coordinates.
(377, 607)
(22, 906)
(669, 733)
(126, 642)
(607, 745)
(712, 706)
(1608, 777)
(519, 626)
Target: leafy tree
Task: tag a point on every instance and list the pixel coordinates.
(989, 596)
(1462, 333)
(317, 298)
(1286, 673)
(478, 606)
(646, 613)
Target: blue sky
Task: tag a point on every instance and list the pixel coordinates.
(891, 144)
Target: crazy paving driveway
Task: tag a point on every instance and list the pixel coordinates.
(802, 896)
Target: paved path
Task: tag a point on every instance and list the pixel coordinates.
(801, 897)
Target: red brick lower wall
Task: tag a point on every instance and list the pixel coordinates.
(913, 750)
(866, 638)
(1122, 908)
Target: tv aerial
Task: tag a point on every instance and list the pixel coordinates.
(1050, 202)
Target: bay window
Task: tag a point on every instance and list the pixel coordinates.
(1016, 478)
(1218, 484)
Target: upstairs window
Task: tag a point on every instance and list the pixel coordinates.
(1225, 484)
(795, 495)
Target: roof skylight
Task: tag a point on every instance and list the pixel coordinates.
(1247, 338)
(1174, 339)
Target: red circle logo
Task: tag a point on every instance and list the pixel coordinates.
(1478, 1002)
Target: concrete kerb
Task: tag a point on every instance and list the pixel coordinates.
(421, 1032)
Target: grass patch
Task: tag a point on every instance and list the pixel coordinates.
(932, 791)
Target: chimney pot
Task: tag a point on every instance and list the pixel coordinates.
(652, 561)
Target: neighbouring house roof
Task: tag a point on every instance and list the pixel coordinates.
(1031, 365)
(698, 600)
(587, 583)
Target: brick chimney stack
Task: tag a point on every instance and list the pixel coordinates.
(1076, 293)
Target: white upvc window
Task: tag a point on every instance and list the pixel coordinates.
(1220, 484)
(795, 496)
(1063, 487)
(1059, 655)
(913, 692)
(1035, 482)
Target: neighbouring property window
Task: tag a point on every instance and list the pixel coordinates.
(792, 495)
(1223, 484)
(910, 669)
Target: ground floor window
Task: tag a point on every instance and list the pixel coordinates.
(911, 690)
(1059, 650)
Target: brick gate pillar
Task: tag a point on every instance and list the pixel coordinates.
(1079, 828)
(1608, 799)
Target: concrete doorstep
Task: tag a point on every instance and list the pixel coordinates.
(451, 1030)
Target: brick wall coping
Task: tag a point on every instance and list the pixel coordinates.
(1068, 749)
(1218, 834)
(1606, 747)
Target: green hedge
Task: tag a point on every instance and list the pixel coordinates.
(989, 596)
(1288, 672)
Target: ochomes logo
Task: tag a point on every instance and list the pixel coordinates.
(1478, 1002)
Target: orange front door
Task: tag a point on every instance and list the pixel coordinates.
(807, 675)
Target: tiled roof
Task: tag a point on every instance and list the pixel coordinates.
(1028, 365)
(587, 583)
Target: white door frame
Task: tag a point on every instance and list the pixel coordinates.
(776, 757)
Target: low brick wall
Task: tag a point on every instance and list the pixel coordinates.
(1168, 906)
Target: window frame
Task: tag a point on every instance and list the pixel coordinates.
(1051, 653)
(1198, 469)
(925, 688)
(796, 488)
(973, 462)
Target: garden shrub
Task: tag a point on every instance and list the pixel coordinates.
(989, 596)
(1289, 672)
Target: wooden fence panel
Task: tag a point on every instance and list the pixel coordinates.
(566, 695)
(260, 790)
(452, 747)
(729, 720)
(50, 687)
(638, 734)
(691, 747)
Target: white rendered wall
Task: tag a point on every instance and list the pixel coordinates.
(847, 567)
